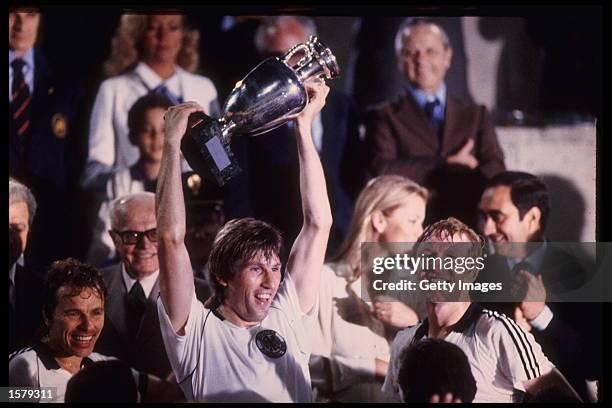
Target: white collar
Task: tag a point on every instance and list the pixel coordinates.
(151, 80)
(28, 58)
(147, 282)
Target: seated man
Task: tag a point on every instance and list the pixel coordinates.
(132, 332)
(250, 342)
(25, 287)
(433, 370)
(505, 360)
(74, 316)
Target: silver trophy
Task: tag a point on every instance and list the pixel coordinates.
(272, 94)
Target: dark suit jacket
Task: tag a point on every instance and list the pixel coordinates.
(268, 187)
(147, 353)
(401, 141)
(572, 339)
(46, 157)
(26, 320)
(49, 166)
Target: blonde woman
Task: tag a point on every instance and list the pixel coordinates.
(150, 53)
(351, 352)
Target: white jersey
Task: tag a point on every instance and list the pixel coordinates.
(502, 355)
(217, 361)
(36, 367)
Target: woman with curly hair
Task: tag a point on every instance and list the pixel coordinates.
(350, 359)
(150, 53)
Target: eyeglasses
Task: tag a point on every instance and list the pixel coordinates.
(133, 237)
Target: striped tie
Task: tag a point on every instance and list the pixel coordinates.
(20, 99)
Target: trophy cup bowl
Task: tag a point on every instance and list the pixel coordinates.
(270, 95)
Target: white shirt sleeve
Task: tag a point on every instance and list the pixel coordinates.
(542, 321)
(22, 373)
(303, 324)
(520, 356)
(183, 351)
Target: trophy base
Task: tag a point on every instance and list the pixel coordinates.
(207, 151)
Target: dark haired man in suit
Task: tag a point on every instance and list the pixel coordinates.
(514, 211)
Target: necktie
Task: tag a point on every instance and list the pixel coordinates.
(20, 99)
(136, 306)
(163, 90)
(429, 112)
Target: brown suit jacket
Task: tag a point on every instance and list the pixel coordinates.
(401, 141)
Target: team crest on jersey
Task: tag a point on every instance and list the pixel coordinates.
(271, 343)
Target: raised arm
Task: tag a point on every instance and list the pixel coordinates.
(308, 251)
(176, 276)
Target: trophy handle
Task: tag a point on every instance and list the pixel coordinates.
(293, 50)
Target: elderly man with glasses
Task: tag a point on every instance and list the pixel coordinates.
(132, 332)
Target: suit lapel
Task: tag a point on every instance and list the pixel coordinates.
(116, 303)
(452, 124)
(414, 119)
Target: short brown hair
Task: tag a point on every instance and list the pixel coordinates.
(236, 243)
(74, 274)
(448, 228)
(136, 114)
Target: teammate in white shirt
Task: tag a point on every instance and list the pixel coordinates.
(251, 340)
(505, 360)
(73, 314)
